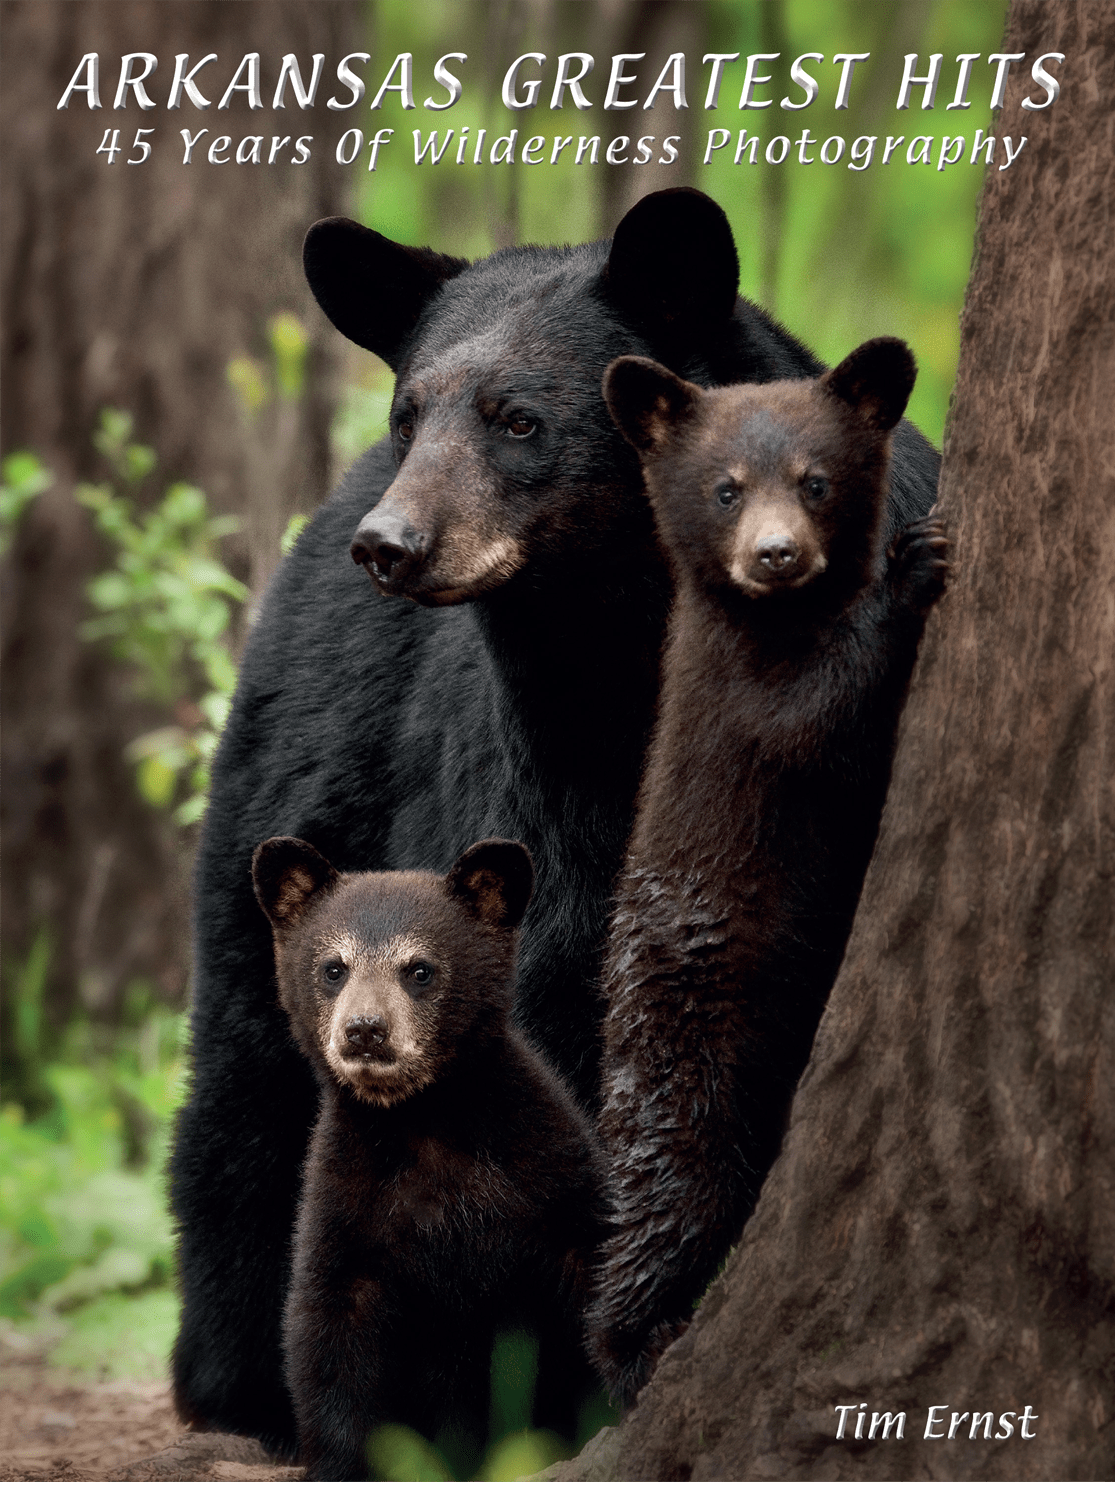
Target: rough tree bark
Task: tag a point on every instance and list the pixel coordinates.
(133, 286)
(940, 1227)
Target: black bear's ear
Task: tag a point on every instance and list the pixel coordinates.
(673, 271)
(876, 379)
(494, 879)
(285, 874)
(371, 289)
(647, 401)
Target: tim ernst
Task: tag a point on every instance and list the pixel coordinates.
(875, 1424)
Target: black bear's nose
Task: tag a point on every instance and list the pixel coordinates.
(366, 1032)
(388, 546)
(778, 553)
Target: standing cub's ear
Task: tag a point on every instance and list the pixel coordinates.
(286, 873)
(494, 879)
(876, 379)
(647, 401)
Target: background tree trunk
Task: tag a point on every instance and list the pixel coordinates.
(133, 286)
(940, 1226)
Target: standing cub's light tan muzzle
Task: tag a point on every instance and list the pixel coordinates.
(774, 546)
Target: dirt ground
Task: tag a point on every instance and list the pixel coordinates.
(59, 1425)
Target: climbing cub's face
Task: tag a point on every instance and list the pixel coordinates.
(386, 977)
(768, 488)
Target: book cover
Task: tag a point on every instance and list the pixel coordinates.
(176, 407)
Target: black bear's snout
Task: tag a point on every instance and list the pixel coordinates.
(778, 554)
(388, 547)
(365, 1035)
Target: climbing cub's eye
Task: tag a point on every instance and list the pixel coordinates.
(422, 973)
(726, 496)
(334, 971)
(405, 429)
(816, 487)
(521, 427)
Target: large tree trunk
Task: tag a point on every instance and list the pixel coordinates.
(940, 1227)
(133, 286)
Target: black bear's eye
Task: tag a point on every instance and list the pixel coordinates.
(521, 427)
(816, 488)
(422, 973)
(726, 496)
(405, 429)
(334, 972)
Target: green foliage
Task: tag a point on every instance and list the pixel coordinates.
(293, 530)
(257, 386)
(164, 608)
(396, 1453)
(361, 416)
(83, 1218)
(24, 477)
(288, 341)
(514, 1450)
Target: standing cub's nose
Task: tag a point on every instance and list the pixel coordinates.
(366, 1034)
(388, 546)
(778, 554)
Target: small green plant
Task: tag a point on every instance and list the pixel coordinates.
(164, 607)
(24, 476)
(84, 1229)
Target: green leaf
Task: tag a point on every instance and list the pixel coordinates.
(288, 345)
(293, 530)
(397, 1453)
(249, 383)
(156, 780)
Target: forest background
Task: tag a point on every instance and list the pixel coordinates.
(136, 544)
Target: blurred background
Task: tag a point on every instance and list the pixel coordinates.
(174, 406)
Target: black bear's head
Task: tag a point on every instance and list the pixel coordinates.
(389, 978)
(774, 489)
(507, 459)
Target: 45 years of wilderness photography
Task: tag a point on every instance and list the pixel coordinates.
(530, 79)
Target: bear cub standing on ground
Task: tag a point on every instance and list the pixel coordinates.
(452, 1185)
(790, 648)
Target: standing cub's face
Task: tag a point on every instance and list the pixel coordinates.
(768, 488)
(386, 976)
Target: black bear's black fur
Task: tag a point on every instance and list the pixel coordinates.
(791, 643)
(391, 734)
(452, 1186)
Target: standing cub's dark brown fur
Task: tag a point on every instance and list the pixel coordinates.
(791, 644)
(451, 1186)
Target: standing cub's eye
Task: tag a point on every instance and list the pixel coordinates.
(422, 973)
(816, 488)
(521, 427)
(726, 496)
(405, 429)
(334, 971)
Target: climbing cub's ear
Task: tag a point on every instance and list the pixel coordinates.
(371, 289)
(286, 874)
(876, 379)
(494, 879)
(673, 271)
(647, 401)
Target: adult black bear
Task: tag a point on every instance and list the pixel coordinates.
(452, 1186)
(390, 734)
(790, 646)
